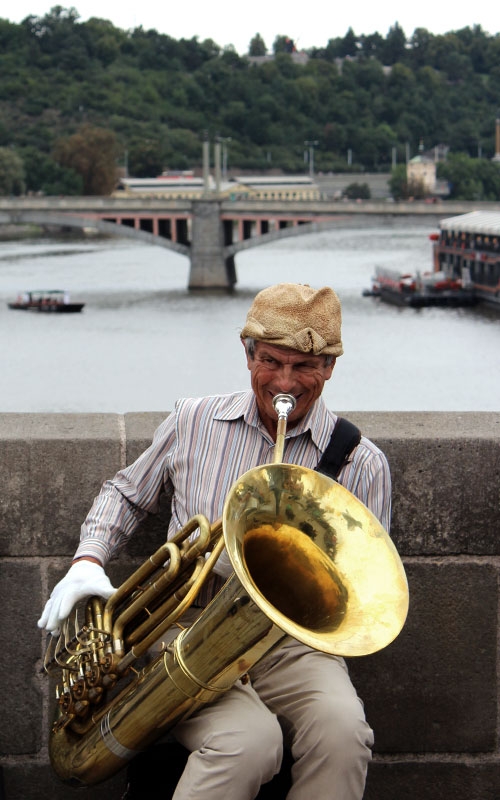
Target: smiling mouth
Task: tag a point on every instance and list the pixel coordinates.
(295, 396)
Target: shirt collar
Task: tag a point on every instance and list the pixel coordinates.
(317, 422)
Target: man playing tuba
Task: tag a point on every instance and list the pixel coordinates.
(296, 696)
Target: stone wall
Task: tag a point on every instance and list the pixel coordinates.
(431, 696)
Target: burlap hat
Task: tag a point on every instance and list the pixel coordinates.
(297, 316)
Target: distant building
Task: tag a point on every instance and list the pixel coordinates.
(438, 153)
(298, 57)
(277, 187)
(176, 185)
(187, 185)
(421, 172)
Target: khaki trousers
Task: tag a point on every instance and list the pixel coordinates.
(297, 697)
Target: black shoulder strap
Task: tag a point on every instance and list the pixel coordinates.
(344, 439)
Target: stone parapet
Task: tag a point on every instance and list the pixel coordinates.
(432, 696)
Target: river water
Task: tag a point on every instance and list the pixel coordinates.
(144, 340)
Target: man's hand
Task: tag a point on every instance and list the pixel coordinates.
(83, 579)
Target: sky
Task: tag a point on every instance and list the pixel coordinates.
(230, 23)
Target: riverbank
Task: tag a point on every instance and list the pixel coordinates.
(17, 233)
(13, 233)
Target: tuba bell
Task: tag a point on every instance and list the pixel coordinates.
(310, 561)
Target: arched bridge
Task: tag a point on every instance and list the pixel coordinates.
(210, 232)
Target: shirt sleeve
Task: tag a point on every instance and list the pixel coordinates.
(368, 477)
(127, 499)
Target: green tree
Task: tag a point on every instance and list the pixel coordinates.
(447, 54)
(331, 51)
(471, 178)
(60, 39)
(349, 45)
(44, 175)
(12, 37)
(475, 46)
(257, 46)
(92, 153)
(11, 172)
(283, 44)
(394, 49)
(489, 175)
(372, 46)
(357, 191)
(398, 183)
(419, 47)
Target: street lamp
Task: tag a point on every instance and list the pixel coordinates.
(311, 146)
(224, 141)
(206, 164)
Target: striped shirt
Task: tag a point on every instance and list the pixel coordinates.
(200, 450)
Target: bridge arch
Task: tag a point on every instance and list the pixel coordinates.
(285, 233)
(102, 226)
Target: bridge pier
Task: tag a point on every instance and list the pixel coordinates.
(209, 268)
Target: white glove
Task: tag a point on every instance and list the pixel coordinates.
(83, 579)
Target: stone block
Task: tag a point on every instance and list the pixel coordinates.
(464, 779)
(38, 782)
(53, 466)
(435, 688)
(20, 677)
(139, 431)
(441, 505)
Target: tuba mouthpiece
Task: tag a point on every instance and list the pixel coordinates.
(283, 404)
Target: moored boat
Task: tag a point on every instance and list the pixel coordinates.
(419, 290)
(51, 301)
(467, 248)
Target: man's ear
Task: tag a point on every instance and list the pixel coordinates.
(329, 369)
(249, 359)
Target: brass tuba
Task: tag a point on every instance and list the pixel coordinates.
(310, 562)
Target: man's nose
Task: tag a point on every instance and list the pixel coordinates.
(286, 378)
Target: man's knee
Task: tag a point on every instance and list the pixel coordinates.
(261, 747)
(339, 729)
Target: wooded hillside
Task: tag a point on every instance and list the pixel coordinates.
(154, 98)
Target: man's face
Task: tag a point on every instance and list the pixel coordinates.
(276, 370)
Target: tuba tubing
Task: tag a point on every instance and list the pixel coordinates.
(310, 561)
(170, 688)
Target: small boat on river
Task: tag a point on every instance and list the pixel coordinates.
(51, 301)
(419, 290)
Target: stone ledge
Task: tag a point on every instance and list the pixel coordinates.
(432, 696)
